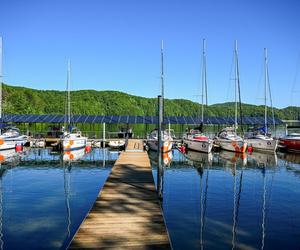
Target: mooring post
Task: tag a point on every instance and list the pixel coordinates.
(103, 137)
(159, 147)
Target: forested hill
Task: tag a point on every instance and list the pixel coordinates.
(19, 100)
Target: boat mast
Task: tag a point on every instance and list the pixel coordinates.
(204, 80)
(235, 85)
(162, 69)
(1, 76)
(69, 95)
(162, 78)
(266, 83)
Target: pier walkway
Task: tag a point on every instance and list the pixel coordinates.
(127, 212)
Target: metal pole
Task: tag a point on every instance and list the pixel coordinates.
(235, 86)
(69, 95)
(103, 141)
(204, 83)
(162, 76)
(159, 147)
(162, 68)
(265, 98)
(1, 80)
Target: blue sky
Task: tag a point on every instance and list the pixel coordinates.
(115, 45)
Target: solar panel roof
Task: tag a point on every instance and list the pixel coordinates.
(190, 120)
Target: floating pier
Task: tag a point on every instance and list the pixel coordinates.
(127, 212)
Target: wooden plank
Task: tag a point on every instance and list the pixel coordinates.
(135, 146)
(127, 212)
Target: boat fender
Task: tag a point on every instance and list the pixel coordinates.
(88, 148)
(182, 149)
(19, 147)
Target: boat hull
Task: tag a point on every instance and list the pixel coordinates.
(232, 145)
(292, 145)
(6, 144)
(167, 145)
(73, 144)
(268, 145)
(201, 146)
(116, 144)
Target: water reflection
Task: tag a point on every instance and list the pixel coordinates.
(43, 199)
(1, 213)
(9, 155)
(229, 158)
(203, 201)
(254, 206)
(166, 158)
(73, 155)
(290, 157)
(199, 159)
(262, 159)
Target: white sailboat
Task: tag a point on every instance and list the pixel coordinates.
(11, 136)
(261, 139)
(72, 138)
(195, 139)
(167, 140)
(227, 138)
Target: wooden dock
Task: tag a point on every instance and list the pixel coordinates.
(127, 212)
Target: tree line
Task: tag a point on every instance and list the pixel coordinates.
(20, 100)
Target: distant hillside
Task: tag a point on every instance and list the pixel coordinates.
(19, 100)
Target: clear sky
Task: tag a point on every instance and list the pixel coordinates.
(115, 45)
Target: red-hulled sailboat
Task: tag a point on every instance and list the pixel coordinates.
(291, 141)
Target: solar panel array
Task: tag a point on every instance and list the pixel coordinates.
(189, 120)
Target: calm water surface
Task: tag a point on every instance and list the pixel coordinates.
(229, 201)
(43, 199)
(220, 201)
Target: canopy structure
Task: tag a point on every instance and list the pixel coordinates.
(188, 120)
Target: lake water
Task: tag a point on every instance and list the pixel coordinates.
(232, 201)
(219, 201)
(43, 199)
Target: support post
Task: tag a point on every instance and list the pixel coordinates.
(103, 137)
(159, 147)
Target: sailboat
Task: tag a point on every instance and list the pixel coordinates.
(167, 139)
(261, 139)
(10, 136)
(195, 139)
(227, 138)
(71, 138)
(291, 140)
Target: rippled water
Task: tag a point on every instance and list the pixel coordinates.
(232, 201)
(44, 199)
